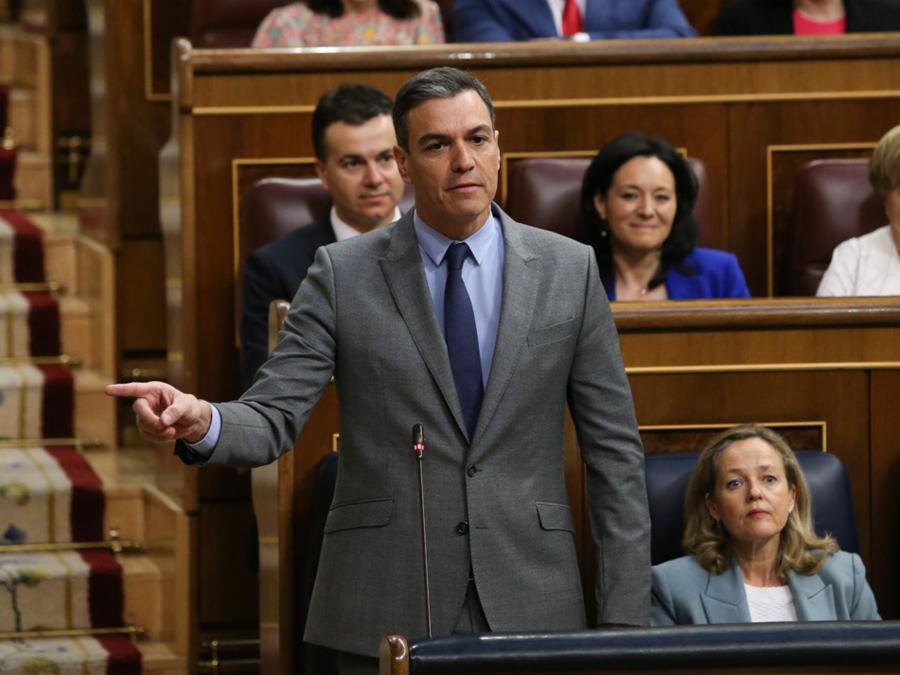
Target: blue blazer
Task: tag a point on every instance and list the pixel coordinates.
(274, 272)
(685, 593)
(514, 20)
(716, 274)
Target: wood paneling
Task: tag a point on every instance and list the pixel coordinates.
(141, 314)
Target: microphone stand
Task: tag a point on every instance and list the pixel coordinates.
(418, 446)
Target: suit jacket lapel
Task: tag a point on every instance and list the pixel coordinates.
(521, 273)
(536, 14)
(724, 599)
(402, 268)
(813, 600)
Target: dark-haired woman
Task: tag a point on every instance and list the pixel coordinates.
(637, 204)
(344, 23)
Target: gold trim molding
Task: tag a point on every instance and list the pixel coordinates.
(717, 426)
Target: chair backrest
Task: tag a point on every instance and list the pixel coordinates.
(272, 207)
(546, 192)
(219, 24)
(667, 479)
(833, 201)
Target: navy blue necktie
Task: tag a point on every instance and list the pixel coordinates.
(462, 337)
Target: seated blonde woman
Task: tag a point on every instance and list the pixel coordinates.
(870, 264)
(754, 554)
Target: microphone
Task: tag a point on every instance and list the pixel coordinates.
(418, 447)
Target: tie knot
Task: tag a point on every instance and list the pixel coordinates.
(456, 254)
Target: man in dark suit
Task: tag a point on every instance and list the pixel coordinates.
(353, 138)
(513, 20)
(482, 329)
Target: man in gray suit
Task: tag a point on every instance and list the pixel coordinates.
(481, 329)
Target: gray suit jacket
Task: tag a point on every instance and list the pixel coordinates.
(685, 593)
(496, 503)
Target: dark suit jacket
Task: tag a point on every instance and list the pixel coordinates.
(274, 272)
(715, 274)
(775, 17)
(497, 503)
(513, 20)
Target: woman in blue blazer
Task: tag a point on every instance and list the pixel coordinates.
(637, 202)
(755, 555)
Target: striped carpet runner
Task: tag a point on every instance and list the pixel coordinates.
(48, 495)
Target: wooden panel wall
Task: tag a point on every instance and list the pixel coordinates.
(130, 120)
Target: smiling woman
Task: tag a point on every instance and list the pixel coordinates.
(754, 554)
(637, 204)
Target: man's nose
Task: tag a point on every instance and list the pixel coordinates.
(372, 175)
(461, 158)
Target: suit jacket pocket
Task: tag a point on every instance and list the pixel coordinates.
(365, 513)
(549, 334)
(555, 516)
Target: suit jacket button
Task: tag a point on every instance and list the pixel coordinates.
(462, 528)
(472, 470)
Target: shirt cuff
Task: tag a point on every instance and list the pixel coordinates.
(205, 446)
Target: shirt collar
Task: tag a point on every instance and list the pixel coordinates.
(344, 230)
(436, 244)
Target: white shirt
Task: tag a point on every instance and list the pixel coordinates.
(866, 265)
(556, 9)
(344, 230)
(770, 603)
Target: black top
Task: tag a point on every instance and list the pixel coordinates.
(775, 17)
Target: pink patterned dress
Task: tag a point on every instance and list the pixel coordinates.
(297, 26)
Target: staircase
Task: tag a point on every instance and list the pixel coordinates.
(90, 597)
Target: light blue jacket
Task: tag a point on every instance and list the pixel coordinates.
(685, 593)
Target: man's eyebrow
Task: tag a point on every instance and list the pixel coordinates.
(349, 155)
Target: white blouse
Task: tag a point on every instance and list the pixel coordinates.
(770, 603)
(866, 265)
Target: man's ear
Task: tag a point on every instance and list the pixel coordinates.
(320, 172)
(401, 157)
(497, 143)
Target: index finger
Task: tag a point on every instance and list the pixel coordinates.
(133, 389)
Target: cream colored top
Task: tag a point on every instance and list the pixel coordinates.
(866, 265)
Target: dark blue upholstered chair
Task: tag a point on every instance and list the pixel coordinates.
(667, 479)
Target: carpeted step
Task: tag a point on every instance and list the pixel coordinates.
(29, 324)
(49, 495)
(21, 248)
(60, 591)
(108, 655)
(36, 401)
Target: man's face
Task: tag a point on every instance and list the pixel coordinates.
(452, 162)
(360, 172)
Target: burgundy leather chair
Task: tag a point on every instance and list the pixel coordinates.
(546, 191)
(833, 201)
(272, 207)
(220, 24)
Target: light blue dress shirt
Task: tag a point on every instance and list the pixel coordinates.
(482, 274)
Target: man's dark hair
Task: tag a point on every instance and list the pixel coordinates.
(443, 82)
(599, 178)
(399, 9)
(353, 104)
